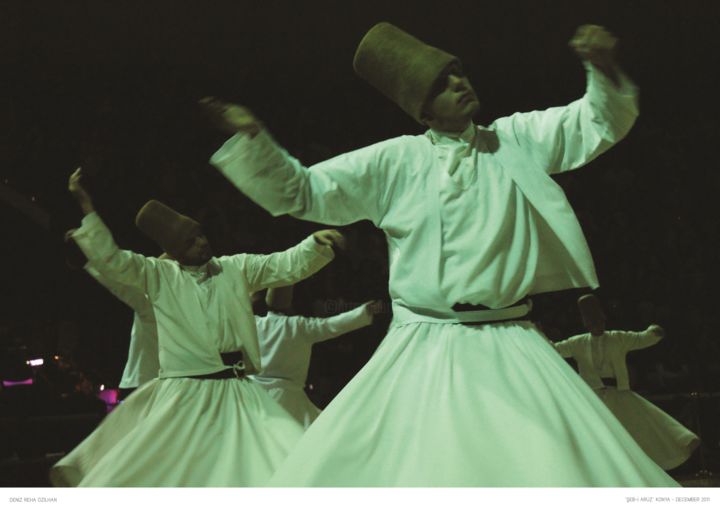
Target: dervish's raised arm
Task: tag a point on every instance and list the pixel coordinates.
(564, 138)
(345, 189)
(292, 265)
(121, 267)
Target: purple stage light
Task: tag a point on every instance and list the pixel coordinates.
(109, 396)
(13, 383)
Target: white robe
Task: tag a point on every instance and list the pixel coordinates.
(179, 431)
(285, 347)
(469, 219)
(665, 440)
(142, 363)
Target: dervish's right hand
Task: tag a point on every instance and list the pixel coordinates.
(596, 45)
(374, 307)
(77, 189)
(657, 330)
(330, 237)
(231, 118)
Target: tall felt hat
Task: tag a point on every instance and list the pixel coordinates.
(402, 67)
(279, 299)
(591, 310)
(167, 227)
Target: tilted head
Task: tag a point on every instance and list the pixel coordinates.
(179, 236)
(592, 314)
(452, 102)
(424, 81)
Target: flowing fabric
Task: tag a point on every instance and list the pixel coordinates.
(184, 432)
(664, 439)
(294, 400)
(454, 405)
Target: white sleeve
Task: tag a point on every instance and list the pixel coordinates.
(121, 267)
(340, 191)
(283, 268)
(565, 348)
(638, 340)
(131, 296)
(316, 330)
(564, 138)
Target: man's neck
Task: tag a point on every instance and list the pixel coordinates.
(451, 128)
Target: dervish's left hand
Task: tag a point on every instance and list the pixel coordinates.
(77, 189)
(596, 45)
(231, 118)
(657, 330)
(330, 237)
(374, 307)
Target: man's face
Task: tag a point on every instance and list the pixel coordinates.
(196, 249)
(452, 102)
(595, 324)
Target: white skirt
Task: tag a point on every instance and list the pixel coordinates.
(294, 400)
(454, 405)
(665, 440)
(184, 432)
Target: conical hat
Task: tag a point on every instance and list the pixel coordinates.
(402, 67)
(279, 299)
(591, 310)
(167, 227)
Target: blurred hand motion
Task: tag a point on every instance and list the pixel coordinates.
(76, 188)
(375, 307)
(230, 118)
(594, 44)
(330, 237)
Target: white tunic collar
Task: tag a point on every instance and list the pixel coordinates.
(451, 138)
(204, 270)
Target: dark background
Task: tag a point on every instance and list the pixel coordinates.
(113, 86)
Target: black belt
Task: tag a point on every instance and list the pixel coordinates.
(468, 307)
(609, 382)
(230, 359)
(526, 317)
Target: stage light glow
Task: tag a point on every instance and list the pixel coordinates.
(110, 397)
(35, 362)
(13, 383)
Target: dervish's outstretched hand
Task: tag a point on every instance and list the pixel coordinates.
(596, 45)
(657, 330)
(374, 307)
(230, 118)
(330, 237)
(78, 191)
